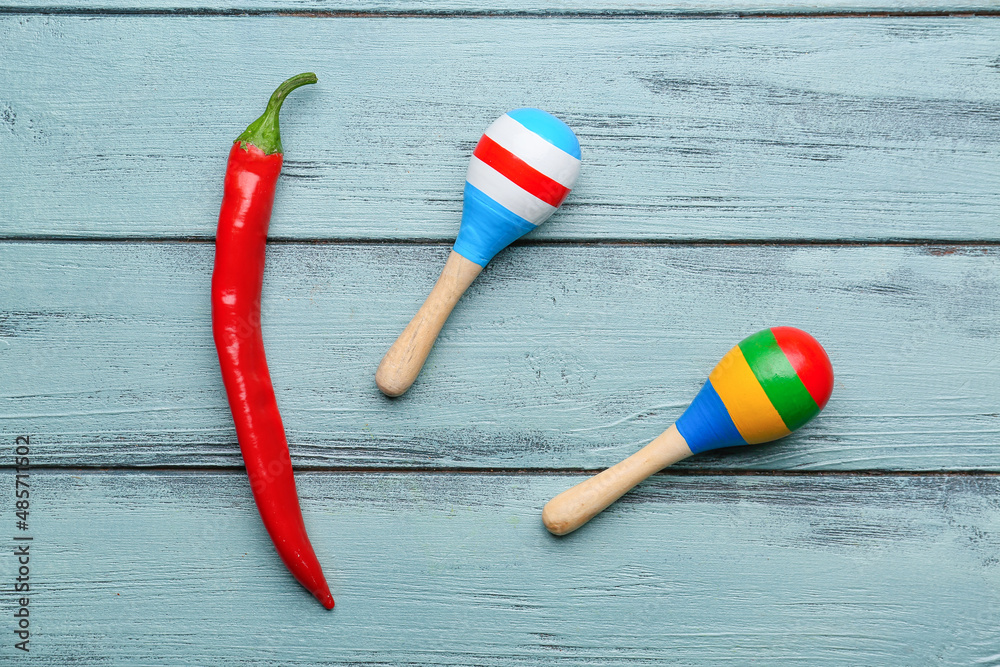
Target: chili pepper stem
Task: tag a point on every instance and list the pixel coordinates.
(264, 132)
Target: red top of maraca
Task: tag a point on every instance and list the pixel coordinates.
(809, 360)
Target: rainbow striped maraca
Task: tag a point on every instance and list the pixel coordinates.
(521, 171)
(763, 389)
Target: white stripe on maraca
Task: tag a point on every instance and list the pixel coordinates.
(512, 197)
(552, 161)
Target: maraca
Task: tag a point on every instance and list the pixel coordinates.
(763, 389)
(521, 171)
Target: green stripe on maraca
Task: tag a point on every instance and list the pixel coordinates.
(778, 378)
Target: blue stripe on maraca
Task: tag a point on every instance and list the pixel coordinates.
(549, 128)
(706, 423)
(487, 227)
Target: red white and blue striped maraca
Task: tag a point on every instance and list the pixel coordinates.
(521, 171)
(523, 168)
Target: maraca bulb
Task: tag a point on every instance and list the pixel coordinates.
(521, 171)
(770, 384)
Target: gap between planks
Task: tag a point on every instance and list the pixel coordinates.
(944, 244)
(626, 14)
(510, 472)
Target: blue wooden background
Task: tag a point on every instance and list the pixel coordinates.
(827, 164)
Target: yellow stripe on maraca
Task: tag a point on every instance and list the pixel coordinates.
(749, 407)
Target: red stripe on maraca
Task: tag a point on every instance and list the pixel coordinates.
(520, 173)
(809, 360)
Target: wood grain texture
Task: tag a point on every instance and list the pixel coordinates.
(402, 363)
(691, 129)
(557, 357)
(579, 504)
(171, 569)
(597, 8)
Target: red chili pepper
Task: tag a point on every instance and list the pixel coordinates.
(252, 172)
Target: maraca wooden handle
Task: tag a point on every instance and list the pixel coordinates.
(402, 363)
(575, 507)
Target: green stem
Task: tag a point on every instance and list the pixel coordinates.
(263, 132)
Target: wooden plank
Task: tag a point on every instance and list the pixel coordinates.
(692, 129)
(575, 8)
(174, 568)
(557, 357)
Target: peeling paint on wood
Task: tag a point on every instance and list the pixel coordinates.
(561, 357)
(691, 129)
(457, 8)
(558, 357)
(458, 570)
